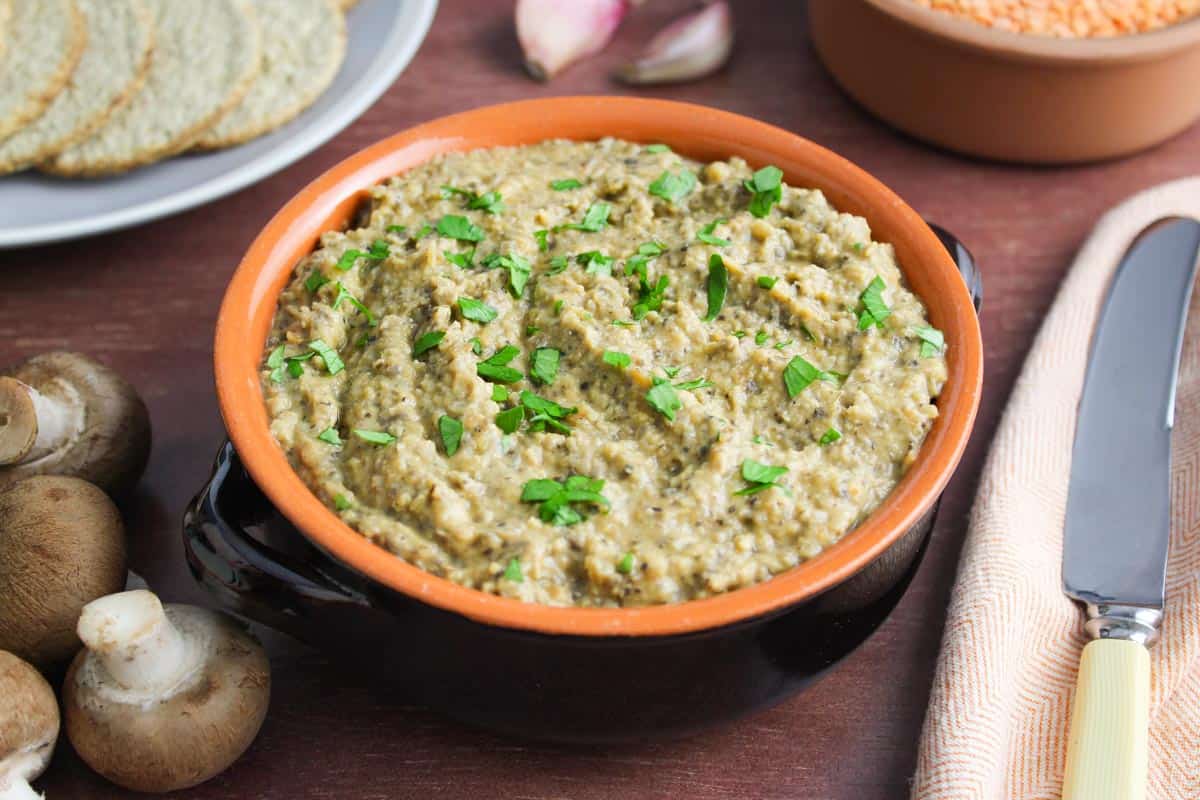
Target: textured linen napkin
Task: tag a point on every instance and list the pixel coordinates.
(996, 728)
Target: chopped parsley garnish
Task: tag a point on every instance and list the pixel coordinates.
(476, 310)
(767, 188)
(558, 307)
(542, 238)
(673, 187)
(425, 230)
(695, 384)
(555, 499)
(858, 247)
(760, 476)
(933, 341)
(499, 393)
(378, 252)
(830, 436)
(277, 364)
(399, 230)
(782, 344)
(767, 281)
(453, 226)
(663, 398)
(760, 338)
(718, 285)
(594, 220)
(543, 414)
(496, 369)
(807, 333)
(510, 419)
(625, 565)
(621, 323)
(518, 268)
(489, 202)
(330, 436)
(740, 334)
(344, 294)
(315, 280)
(532, 330)
(341, 502)
(650, 297)
(758, 439)
(451, 431)
(565, 184)
(798, 374)
(646, 252)
(374, 437)
(596, 263)
(672, 372)
(874, 310)
(465, 259)
(706, 234)
(557, 265)
(657, 148)
(617, 359)
(543, 365)
(333, 363)
(476, 345)
(513, 571)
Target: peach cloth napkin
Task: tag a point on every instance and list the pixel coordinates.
(996, 728)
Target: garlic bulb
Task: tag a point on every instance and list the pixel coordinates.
(557, 33)
(692, 46)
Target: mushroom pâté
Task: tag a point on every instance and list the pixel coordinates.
(163, 697)
(28, 727)
(62, 545)
(62, 413)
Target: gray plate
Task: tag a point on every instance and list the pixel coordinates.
(34, 209)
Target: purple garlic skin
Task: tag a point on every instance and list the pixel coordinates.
(691, 47)
(556, 33)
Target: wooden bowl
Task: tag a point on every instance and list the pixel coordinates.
(1010, 96)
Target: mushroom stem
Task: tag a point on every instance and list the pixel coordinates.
(34, 425)
(139, 647)
(18, 789)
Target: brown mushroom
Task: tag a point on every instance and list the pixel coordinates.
(65, 414)
(163, 698)
(28, 727)
(62, 545)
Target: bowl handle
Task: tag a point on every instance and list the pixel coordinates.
(251, 577)
(965, 261)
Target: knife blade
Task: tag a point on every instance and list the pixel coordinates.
(1118, 501)
(1117, 529)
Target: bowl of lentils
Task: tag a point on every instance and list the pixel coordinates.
(1027, 81)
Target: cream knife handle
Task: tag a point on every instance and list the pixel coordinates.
(1107, 748)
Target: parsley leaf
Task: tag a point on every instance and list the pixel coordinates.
(556, 498)
(673, 187)
(657, 148)
(596, 262)
(499, 393)
(476, 345)
(543, 365)
(344, 294)
(333, 363)
(519, 270)
(565, 184)
(718, 285)
(495, 368)
(557, 265)
(663, 398)
(650, 297)
(489, 202)
(766, 281)
(767, 188)
(798, 374)
(617, 359)
(542, 238)
(330, 436)
(513, 571)
(378, 252)
(594, 220)
(625, 565)
(830, 436)
(374, 437)
(760, 476)
(315, 280)
(465, 259)
(933, 341)
(874, 310)
(646, 252)
(510, 419)
(695, 384)
(760, 338)
(341, 502)
(706, 234)
(399, 230)
(543, 413)
(451, 431)
(453, 226)
(476, 310)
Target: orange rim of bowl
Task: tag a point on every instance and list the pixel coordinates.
(1051, 49)
(698, 132)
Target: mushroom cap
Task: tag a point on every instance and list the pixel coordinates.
(28, 720)
(114, 445)
(62, 545)
(185, 738)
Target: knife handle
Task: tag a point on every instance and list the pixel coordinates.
(1107, 749)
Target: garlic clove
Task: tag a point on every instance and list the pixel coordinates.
(557, 33)
(691, 47)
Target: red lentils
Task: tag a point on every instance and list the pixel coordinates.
(1070, 18)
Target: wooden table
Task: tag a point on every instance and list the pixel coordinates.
(145, 301)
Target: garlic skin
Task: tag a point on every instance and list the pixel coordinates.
(691, 47)
(557, 33)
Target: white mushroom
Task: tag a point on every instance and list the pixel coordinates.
(65, 414)
(28, 727)
(62, 545)
(163, 698)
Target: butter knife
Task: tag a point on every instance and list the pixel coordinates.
(1118, 508)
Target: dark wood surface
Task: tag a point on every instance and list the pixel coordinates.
(145, 301)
